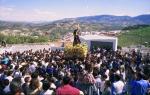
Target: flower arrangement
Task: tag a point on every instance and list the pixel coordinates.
(77, 51)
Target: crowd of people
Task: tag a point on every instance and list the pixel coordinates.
(101, 72)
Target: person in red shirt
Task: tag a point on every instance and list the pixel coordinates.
(67, 89)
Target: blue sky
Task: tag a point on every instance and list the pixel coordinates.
(48, 10)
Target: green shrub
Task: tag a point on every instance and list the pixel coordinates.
(23, 39)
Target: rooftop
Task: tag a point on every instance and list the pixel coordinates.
(97, 37)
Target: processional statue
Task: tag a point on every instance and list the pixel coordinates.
(76, 36)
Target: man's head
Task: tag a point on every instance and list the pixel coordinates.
(46, 85)
(34, 75)
(27, 79)
(117, 77)
(66, 80)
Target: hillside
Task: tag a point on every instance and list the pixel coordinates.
(87, 23)
(57, 29)
(135, 36)
(143, 18)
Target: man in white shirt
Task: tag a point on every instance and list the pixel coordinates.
(9, 76)
(117, 86)
(103, 80)
(46, 89)
(32, 68)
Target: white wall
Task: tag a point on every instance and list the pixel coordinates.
(114, 41)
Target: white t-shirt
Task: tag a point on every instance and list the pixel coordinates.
(102, 86)
(32, 68)
(118, 87)
(6, 89)
(48, 92)
(10, 78)
(98, 82)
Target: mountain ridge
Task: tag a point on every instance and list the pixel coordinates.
(105, 15)
(87, 23)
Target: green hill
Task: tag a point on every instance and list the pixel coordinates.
(137, 35)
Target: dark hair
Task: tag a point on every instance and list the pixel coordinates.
(6, 82)
(108, 83)
(9, 73)
(140, 75)
(34, 83)
(66, 80)
(60, 77)
(117, 77)
(95, 72)
(34, 75)
(46, 85)
(16, 67)
(104, 76)
(27, 79)
(15, 85)
(147, 71)
(89, 67)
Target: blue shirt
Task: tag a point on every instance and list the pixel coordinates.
(49, 70)
(140, 87)
(5, 60)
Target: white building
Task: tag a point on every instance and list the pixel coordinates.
(100, 41)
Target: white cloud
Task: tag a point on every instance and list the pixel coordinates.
(44, 14)
(5, 11)
(5, 8)
(10, 13)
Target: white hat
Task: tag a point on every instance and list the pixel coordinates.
(17, 74)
